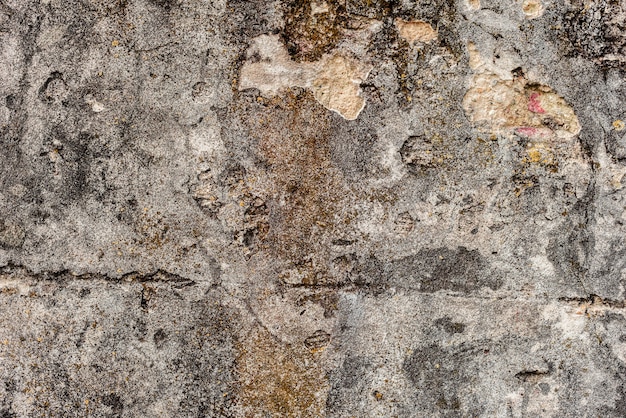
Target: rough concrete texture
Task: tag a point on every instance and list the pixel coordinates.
(293, 208)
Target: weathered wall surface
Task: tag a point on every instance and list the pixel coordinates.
(351, 208)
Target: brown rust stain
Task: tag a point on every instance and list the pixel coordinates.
(307, 205)
(280, 380)
(307, 200)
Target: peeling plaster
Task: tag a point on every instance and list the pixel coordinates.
(334, 79)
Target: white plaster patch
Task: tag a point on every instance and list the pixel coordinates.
(571, 321)
(10, 60)
(96, 106)
(206, 139)
(50, 36)
(542, 264)
(334, 79)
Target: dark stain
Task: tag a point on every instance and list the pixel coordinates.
(421, 153)
(165, 4)
(352, 148)
(12, 234)
(449, 326)
(211, 387)
(81, 336)
(216, 269)
(567, 250)
(146, 294)
(232, 175)
(255, 217)
(7, 413)
(534, 374)
(159, 338)
(615, 142)
(373, 9)
(77, 160)
(611, 265)
(11, 102)
(596, 31)
(370, 275)
(430, 270)
(114, 401)
(439, 13)
(354, 369)
(51, 88)
(317, 340)
(620, 403)
(68, 164)
(342, 266)
(247, 19)
(348, 382)
(10, 385)
(440, 375)
(342, 242)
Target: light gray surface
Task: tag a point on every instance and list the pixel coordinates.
(173, 244)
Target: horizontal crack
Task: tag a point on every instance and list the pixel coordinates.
(158, 275)
(595, 300)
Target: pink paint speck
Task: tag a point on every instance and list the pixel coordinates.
(534, 105)
(527, 131)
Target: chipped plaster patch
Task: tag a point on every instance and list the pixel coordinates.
(532, 9)
(473, 4)
(318, 8)
(415, 31)
(334, 79)
(336, 87)
(516, 105)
